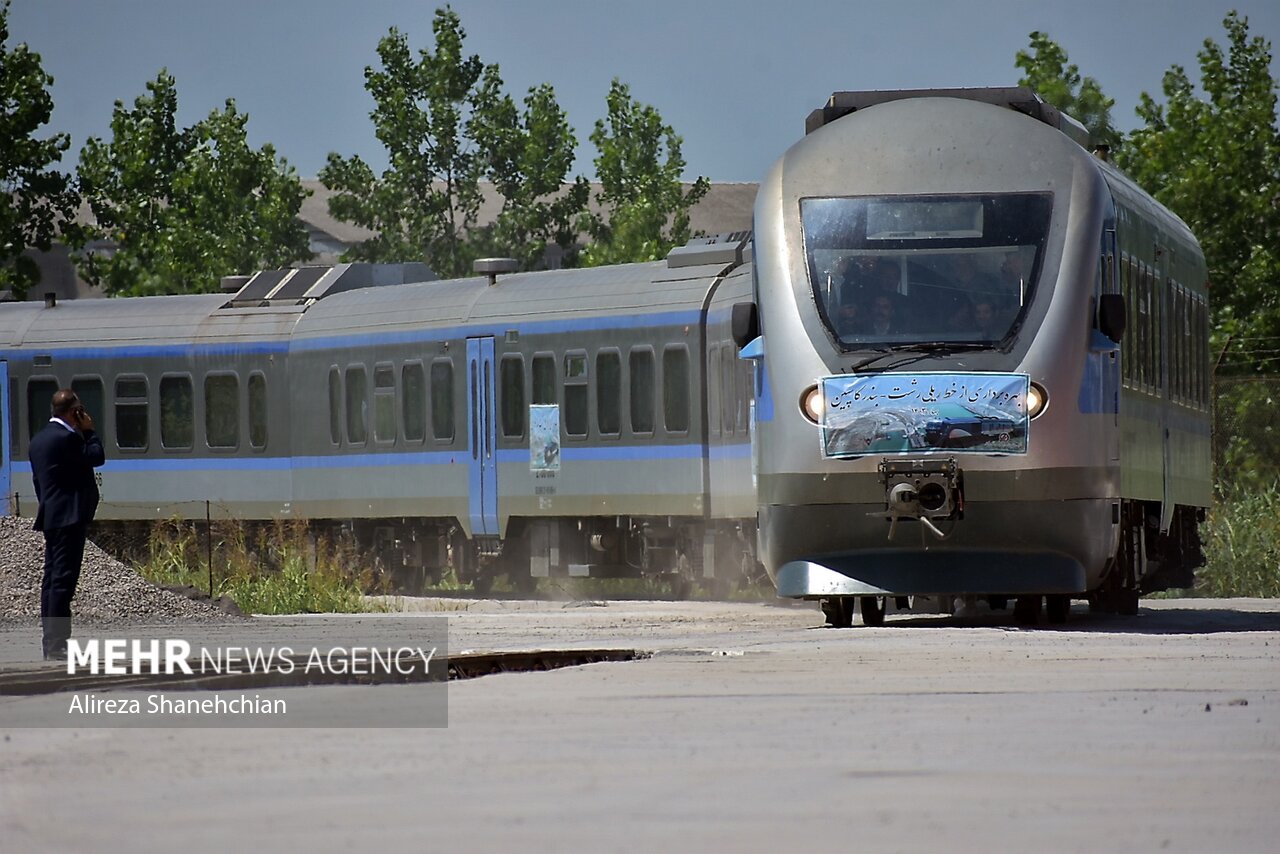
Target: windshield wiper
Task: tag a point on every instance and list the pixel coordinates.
(922, 350)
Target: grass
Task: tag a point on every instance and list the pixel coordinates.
(272, 569)
(1242, 544)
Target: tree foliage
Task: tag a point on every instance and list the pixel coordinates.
(185, 206)
(446, 126)
(1046, 70)
(639, 165)
(33, 197)
(1215, 161)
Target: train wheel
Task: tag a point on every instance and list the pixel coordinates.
(872, 608)
(1056, 608)
(839, 611)
(1026, 610)
(482, 584)
(1126, 602)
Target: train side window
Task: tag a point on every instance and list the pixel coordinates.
(675, 388)
(258, 410)
(39, 400)
(641, 364)
(384, 403)
(335, 406)
(511, 381)
(544, 379)
(575, 394)
(13, 416)
(442, 400)
(177, 413)
(357, 387)
(222, 410)
(131, 413)
(728, 390)
(713, 390)
(609, 392)
(94, 399)
(413, 384)
(1126, 344)
(743, 415)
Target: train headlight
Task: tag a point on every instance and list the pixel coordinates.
(811, 404)
(1037, 400)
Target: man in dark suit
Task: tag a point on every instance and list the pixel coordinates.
(63, 456)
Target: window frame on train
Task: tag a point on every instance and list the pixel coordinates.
(39, 408)
(259, 410)
(649, 401)
(512, 411)
(211, 383)
(128, 402)
(354, 405)
(670, 396)
(576, 408)
(444, 418)
(605, 394)
(385, 398)
(167, 380)
(415, 408)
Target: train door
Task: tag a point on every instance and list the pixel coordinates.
(482, 435)
(5, 479)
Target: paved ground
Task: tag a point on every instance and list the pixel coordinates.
(751, 729)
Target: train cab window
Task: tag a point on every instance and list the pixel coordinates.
(575, 394)
(131, 413)
(675, 388)
(357, 399)
(511, 382)
(544, 379)
(93, 397)
(609, 392)
(413, 385)
(177, 413)
(902, 269)
(641, 364)
(222, 410)
(335, 406)
(384, 403)
(257, 410)
(39, 399)
(442, 400)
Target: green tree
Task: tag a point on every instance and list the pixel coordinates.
(1046, 70)
(447, 126)
(527, 156)
(33, 197)
(184, 207)
(1215, 161)
(639, 165)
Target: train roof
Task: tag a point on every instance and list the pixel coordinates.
(624, 290)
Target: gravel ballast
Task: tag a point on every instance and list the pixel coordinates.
(108, 592)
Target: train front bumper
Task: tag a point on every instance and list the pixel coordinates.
(895, 572)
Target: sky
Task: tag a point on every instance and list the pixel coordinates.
(735, 78)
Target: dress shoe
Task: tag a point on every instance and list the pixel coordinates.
(58, 653)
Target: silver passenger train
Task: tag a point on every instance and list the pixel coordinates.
(916, 380)
(984, 363)
(573, 423)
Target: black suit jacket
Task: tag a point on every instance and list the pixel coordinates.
(62, 464)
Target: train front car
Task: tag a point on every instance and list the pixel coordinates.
(939, 405)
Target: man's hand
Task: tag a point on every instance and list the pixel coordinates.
(83, 420)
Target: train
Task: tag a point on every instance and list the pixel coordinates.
(957, 358)
(1024, 412)
(570, 423)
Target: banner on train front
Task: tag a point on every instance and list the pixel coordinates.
(914, 413)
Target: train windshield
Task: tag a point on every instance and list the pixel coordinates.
(912, 269)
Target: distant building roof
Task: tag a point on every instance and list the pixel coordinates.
(726, 207)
